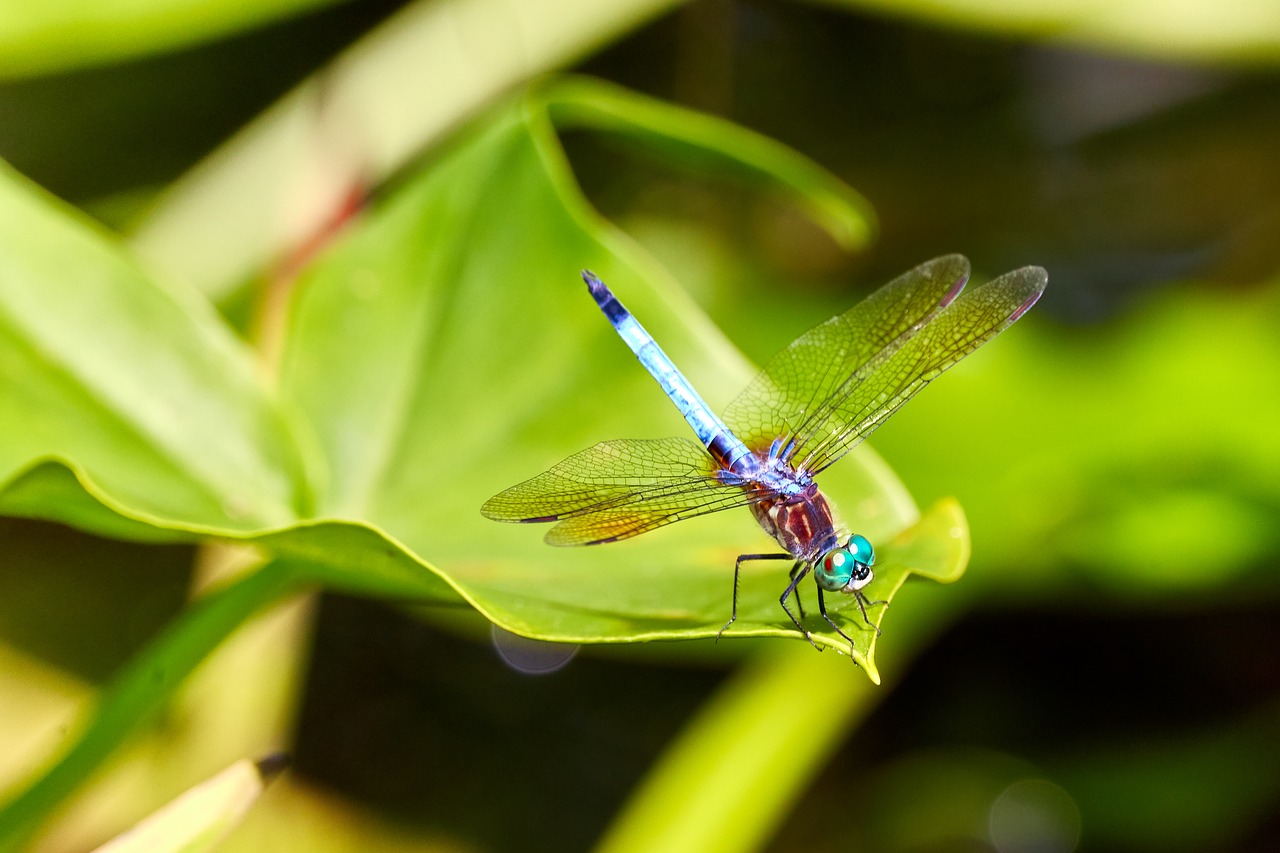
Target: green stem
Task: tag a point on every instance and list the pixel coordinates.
(141, 690)
(732, 775)
(272, 186)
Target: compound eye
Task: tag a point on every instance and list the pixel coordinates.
(861, 549)
(836, 569)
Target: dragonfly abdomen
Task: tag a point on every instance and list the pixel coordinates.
(728, 451)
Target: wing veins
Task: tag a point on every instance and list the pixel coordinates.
(900, 309)
(971, 321)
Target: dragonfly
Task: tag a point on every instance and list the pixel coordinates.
(812, 403)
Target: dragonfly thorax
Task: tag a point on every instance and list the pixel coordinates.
(778, 476)
(803, 524)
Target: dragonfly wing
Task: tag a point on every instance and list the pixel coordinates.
(790, 394)
(874, 392)
(619, 489)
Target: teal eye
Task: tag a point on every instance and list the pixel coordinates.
(861, 549)
(836, 569)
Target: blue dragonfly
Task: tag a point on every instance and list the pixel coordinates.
(812, 403)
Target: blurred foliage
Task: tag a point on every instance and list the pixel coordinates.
(44, 38)
(1235, 31)
(1110, 650)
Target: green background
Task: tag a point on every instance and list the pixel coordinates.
(286, 293)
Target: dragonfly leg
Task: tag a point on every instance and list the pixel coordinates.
(737, 566)
(799, 600)
(822, 608)
(863, 604)
(791, 587)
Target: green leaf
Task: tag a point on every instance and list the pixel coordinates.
(448, 328)
(709, 145)
(140, 388)
(443, 350)
(57, 35)
(447, 349)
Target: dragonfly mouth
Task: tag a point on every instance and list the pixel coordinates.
(862, 575)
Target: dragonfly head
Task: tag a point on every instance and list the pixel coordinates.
(847, 568)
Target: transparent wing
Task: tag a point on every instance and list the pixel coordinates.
(792, 396)
(878, 387)
(619, 489)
